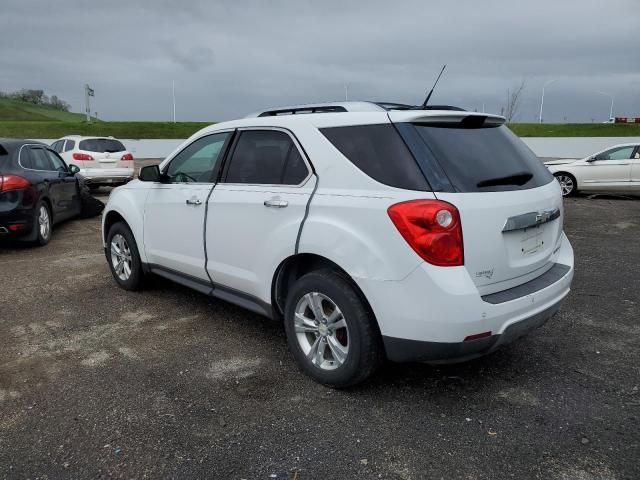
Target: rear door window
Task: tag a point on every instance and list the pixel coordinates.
(266, 157)
(40, 159)
(482, 159)
(57, 146)
(69, 145)
(380, 152)
(101, 145)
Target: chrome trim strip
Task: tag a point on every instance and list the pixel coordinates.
(530, 219)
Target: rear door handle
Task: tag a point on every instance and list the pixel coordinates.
(275, 203)
(194, 201)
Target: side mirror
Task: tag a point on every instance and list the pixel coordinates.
(73, 169)
(150, 173)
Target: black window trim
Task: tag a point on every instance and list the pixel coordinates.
(215, 173)
(301, 152)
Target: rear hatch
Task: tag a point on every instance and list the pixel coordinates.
(510, 206)
(107, 153)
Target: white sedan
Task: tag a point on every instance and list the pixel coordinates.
(616, 169)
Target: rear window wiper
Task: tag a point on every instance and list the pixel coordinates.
(518, 179)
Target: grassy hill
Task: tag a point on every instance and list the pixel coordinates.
(15, 110)
(135, 130)
(576, 129)
(25, 120)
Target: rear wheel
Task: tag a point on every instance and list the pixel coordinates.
(43, 224)
(567, 183)
(331, 331)
(123, 257)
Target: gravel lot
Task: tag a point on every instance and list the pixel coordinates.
(99, 382)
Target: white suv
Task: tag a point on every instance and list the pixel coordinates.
(373, 230)
(103, 161)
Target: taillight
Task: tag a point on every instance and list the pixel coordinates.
(13, 182)
(126, 156)
(82, 156)
(432, 228)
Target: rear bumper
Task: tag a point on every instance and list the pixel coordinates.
(403, 350)
(17, 213)
(104, 176)
(428, 315)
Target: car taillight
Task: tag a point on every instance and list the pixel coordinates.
(82, 156)
(126, 156)
(432, 228)
(13, 182)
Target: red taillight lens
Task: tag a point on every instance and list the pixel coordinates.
(13, 182)
(126, 156)
(432, 228)
(82, 156)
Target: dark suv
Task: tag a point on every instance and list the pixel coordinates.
(37, 190)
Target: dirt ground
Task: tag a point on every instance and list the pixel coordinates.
(99, 382)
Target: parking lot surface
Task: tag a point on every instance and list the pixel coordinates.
(99, 382)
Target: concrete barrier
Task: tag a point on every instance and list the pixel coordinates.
(548, 147)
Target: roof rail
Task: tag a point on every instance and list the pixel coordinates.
(334, 107)
(304, 109)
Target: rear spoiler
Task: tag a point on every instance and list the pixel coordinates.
(444, 118)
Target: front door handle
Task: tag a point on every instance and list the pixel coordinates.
(194, 201)
(275, 203)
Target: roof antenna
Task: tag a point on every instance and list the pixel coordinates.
(426, 100)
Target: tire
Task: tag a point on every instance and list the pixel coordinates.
(335, 366)
(43, 224)
(123, 257)
(567, 182)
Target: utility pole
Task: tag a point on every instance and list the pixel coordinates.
(546, 84)
(88, 92)
(612, 98)
(173, 95)
(346, 92)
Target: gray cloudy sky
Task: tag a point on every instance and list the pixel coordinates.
(231, 58)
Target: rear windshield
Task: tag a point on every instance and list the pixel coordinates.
(482, 159)
(379, 152)
(101, 145)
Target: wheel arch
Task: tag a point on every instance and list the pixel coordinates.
(111, 218)
(294, 267)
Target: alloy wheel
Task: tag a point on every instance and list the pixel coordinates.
(44, 222)
(321, 331)
(121, 257)
(566, 184)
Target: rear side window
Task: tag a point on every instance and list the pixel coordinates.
(101, 145)
(379, 151)
(38, 159)
(484, 159)
(266, 157)
(57, 146)
(69, 145)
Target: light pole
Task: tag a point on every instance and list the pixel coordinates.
(173, 97)
(546, 84)
(611, 108)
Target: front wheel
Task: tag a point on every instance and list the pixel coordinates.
(567, 183)
(123, 257)
(331, 331)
